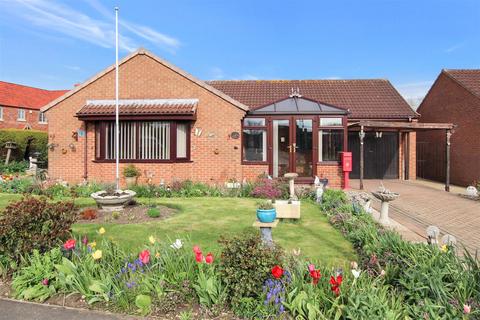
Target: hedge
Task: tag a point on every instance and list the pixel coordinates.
(20, 137)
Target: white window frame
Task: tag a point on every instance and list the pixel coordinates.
(20, 110)
(42, 118)
(1, 113)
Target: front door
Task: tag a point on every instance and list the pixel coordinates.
(292, 147)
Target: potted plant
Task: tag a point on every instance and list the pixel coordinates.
(266, 212)
(131, 173)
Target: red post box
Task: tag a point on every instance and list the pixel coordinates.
(346, 158)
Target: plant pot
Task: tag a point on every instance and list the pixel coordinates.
(131, 181)
(266, 216)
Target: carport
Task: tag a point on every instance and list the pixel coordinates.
(379, 126)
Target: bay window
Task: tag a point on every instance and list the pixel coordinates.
(143, 141)
(330, 139)
(254, 140)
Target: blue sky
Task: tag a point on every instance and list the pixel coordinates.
(55, 44)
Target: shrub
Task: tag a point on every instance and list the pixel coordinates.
(267, 188)
(13, 167)
(265, 205)
(17, 185)
(153, 212)
(245, 264)
(20, 137)
(89, 214)
(131, 171)
(34, 223)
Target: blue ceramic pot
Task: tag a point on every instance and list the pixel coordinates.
(266, 216)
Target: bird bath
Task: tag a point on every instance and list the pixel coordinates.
(385, 196)
(113, 201)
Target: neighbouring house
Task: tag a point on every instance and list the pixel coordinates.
(174, 126)
(454, 97)
(20, 106)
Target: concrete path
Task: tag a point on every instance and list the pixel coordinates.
(13, 310)
(423, 203)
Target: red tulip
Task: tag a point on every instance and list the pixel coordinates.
(197, 250)
(277, 272)
(199, 257)
(144, 256)
(316, 275)
(209, 258)
(69, 244)
(335, 283)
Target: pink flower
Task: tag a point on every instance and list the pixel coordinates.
(467, 309)
(209, 258)
(144, 256)
(85, 240)
(199, 257)
(69, 244)
(311, 267)
(197, 250)
(45, 282)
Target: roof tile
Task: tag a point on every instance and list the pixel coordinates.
(140, 107)
(372, 98)
(17, 95)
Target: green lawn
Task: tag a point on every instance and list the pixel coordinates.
(204, 220)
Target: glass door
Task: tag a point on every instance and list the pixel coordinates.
(292, 146)
(281, 147)
(302, 152)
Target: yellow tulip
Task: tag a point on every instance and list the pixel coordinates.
(101, 230)
(157, 255)
(151, 239)
(444, 248)
(92, 244)
(97, 254)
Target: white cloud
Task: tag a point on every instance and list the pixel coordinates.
(414, 92)
(454, 48)
(216, 73)
(63, 19)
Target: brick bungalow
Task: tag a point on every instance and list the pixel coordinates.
(175, 126)
(454, 97)
(20, 106)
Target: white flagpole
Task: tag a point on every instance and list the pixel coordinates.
(117, 127)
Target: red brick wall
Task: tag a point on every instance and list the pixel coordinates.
(449, 102)
(10, 119)
(144, 78)
(333, 173)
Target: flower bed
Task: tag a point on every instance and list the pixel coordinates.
(393, 279)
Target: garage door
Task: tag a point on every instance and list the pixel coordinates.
(381, 155)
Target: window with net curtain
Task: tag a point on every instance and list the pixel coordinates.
(254, 140)
(330, 139)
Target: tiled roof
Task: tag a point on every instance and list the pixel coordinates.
(17, 95)
(468, 78)
(373, 98)
(140, 107)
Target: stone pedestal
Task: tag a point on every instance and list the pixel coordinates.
(291, 184)
(287, 209)
(266, 231)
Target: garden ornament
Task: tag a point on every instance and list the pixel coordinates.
(433, 232)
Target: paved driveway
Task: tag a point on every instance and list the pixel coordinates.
(16, 310)
(423, 203)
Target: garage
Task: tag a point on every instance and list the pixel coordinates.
(381, 154)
